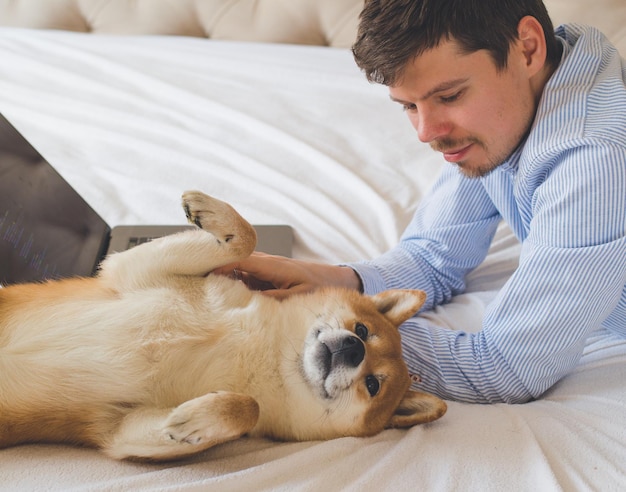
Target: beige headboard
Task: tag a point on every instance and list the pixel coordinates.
(319, 22)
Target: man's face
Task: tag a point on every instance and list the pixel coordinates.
(466, 109)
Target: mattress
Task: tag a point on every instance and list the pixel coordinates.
(288, 135)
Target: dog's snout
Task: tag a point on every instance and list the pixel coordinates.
(351, 352)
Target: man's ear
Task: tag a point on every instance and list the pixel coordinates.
(398, 305)
(417, 408)
(532, 44)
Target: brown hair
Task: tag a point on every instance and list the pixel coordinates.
(393, 32)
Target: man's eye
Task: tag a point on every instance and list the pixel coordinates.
(409, 107)
(451, 98)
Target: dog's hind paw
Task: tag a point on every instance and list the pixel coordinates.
(212, 418)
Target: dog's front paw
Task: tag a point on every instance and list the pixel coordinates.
(212, 418)
(207, 212)
(220, 219)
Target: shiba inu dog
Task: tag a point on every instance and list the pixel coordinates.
(156, 358)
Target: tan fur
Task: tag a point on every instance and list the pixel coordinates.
(157, 359)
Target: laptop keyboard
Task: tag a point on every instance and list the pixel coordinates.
(136, 241)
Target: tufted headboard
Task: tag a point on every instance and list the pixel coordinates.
(317, 22)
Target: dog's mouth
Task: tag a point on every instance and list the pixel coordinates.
(325, 357)
(330, 361)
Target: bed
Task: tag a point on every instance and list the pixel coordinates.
(260, 103)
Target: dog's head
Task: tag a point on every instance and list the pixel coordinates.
(351, 362)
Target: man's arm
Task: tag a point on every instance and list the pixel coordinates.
(448, 237)
(281, 277)
(533, 333)
(570, 281)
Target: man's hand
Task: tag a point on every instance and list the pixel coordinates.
(282, 277)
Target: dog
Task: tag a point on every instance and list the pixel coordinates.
(156, 358)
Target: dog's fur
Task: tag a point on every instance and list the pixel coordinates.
(155, 358)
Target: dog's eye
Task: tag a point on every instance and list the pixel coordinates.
(361, 331)
(373, 385)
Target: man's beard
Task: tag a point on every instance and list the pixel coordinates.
(476, 171)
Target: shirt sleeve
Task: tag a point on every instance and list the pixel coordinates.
(570, 280)
(447, 238)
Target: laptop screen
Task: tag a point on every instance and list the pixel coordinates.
(46, 229)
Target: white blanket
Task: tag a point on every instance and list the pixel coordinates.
(295, 135)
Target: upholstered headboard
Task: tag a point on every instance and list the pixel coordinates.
(319, 22)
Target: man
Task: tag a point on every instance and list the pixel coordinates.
(535, 126)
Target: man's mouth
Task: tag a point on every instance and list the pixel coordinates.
(456, 155)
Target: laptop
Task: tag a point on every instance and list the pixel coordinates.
(48, 231)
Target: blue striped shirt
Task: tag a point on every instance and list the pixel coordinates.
(563, 193)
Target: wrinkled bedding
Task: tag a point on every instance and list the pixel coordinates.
(289, 135)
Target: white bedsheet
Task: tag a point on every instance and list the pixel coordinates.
(295, 135)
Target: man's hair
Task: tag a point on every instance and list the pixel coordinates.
(393, 32)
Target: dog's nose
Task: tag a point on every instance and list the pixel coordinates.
(350, 352)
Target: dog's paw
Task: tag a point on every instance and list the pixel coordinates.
(212, 418)
(204, 210)
(218, 218)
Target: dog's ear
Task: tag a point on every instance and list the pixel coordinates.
(417, 408)
(398, 305)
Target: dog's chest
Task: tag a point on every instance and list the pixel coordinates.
(196, 342)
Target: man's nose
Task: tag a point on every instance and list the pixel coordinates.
(430, 125)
